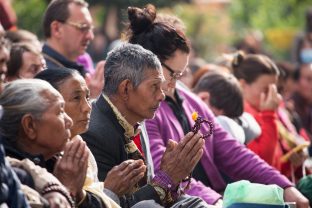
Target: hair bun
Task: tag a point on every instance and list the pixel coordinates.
(141, 19)
(238, 58)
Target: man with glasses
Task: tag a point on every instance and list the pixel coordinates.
(68, 29)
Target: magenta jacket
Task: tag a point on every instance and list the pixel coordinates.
(222, 152)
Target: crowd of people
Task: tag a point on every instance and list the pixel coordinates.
(123, 133)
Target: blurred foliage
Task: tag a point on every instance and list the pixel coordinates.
(207, 27)
(126, 3)
(278, 20)
(121, 8)
(29, 14)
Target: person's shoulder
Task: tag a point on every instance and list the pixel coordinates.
(102, 121)
(232, 127)
(188, 95)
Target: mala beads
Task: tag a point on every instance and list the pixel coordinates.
(198, 122)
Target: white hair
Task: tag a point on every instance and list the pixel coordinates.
(20, 97)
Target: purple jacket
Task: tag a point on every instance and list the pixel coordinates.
(222, 153)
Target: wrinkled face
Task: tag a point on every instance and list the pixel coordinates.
(252, 91)
(144, 100)
(77, 31)
(53, 127)
(76, 96)
(305, 82)
(32, 65)
(173, 69)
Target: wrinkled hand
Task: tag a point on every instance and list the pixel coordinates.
(95, 81)
(271, 100)
(122, 178)
(297, 158)
(291, 194)
(71, 169)
(180, 158)
(56, 200)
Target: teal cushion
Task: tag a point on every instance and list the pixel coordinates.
(246, 192)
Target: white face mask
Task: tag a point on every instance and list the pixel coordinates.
(306, 55)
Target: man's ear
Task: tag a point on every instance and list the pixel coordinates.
(124, 88)
(204, 96)
(56, 29)
(29, 126)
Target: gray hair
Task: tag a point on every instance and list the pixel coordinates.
(128, 61)
(19, 98)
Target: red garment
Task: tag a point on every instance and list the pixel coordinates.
(266, 145)
(137, 142)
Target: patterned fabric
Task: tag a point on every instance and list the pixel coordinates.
(10, 187)
(130, 133)
(93, 185)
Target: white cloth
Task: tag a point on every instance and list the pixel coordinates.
(244, 129)
(232, 127)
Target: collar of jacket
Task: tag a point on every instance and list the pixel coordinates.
(130, 131)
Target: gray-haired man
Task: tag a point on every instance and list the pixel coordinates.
(132, 93)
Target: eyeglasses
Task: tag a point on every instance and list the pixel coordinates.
(174, 75)
(83, 27)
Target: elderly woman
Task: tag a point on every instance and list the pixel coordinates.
(73, 88)
(35, 126)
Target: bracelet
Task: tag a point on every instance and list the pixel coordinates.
(165, 188)
(54, 187)
(165, 195)
(164, 181)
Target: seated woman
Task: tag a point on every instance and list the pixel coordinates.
(30, 108)
(74, 89)
(25, 62)
(35, 126)
(258, 77)
(221, 92)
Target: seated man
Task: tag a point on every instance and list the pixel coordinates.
(132, 93)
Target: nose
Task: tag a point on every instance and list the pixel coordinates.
(68, 121)
(86, 106)
(165, 85)
(90, 34)
(161, 95)
(168, 84)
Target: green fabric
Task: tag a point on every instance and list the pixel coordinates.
(305, 187)
(246, 192)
